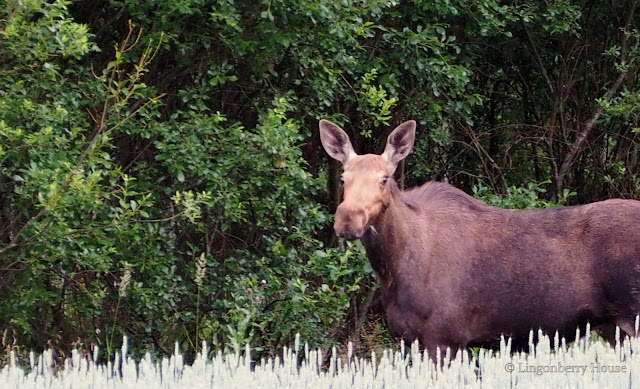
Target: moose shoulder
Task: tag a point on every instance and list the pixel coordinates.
(455, 271)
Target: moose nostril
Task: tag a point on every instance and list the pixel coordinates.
(347, 214)
(350, 221)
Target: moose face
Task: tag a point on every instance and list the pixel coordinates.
(366, 178)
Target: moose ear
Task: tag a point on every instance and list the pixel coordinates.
(335, 142)
(400, 142)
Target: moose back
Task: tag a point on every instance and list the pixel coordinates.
(455, 271)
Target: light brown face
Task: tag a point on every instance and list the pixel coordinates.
(366, 194)
(366, 177)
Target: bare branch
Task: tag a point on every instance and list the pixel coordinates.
(539, 60)
(588, 127)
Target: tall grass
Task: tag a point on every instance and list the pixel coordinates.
(552, 363)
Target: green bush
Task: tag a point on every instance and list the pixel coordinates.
(160, 160)
(169, 230)
(523, 197)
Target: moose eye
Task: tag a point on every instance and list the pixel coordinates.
(384, 180)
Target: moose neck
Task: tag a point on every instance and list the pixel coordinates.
(385, 239)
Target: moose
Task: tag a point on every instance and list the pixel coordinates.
(455, 272)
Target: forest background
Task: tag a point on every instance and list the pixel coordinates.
(161, 174)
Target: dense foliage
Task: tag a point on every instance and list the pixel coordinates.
(160, 167)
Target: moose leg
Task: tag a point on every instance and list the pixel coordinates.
(627, 326)
(608, 331)
(439, 346)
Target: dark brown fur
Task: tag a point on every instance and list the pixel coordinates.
(455, 271)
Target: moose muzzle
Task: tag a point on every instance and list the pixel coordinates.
(350, 221)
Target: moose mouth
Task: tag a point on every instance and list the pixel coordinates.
(349, 233)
